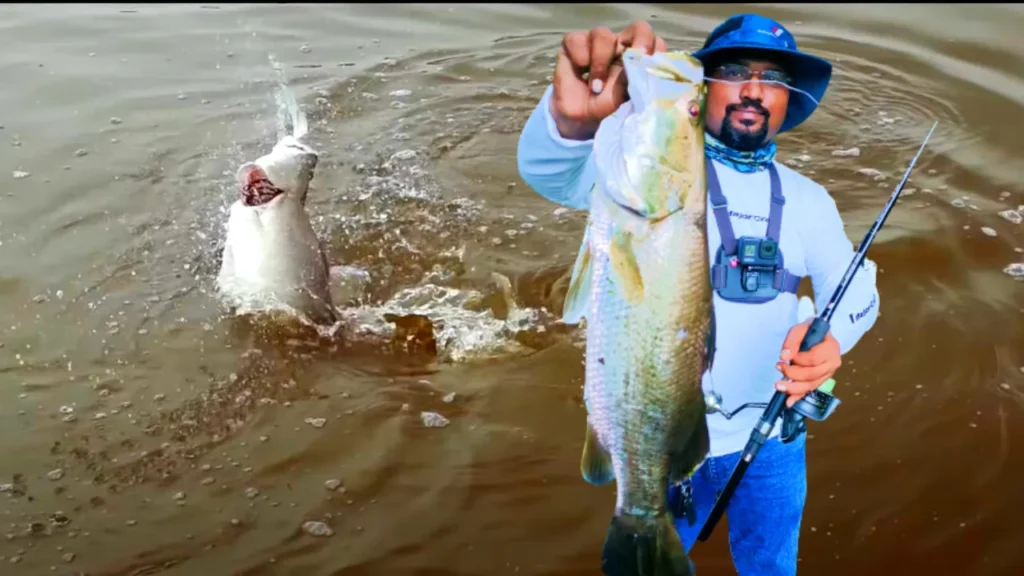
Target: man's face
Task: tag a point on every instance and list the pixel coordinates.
(745, 111)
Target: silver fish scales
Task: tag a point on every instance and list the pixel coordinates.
(641, 281)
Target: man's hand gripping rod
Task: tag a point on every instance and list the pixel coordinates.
(818, 404)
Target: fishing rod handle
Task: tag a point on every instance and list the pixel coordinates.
(816, 333)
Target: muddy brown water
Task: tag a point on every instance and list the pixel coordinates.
(143, 432)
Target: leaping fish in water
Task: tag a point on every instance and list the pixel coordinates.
(272, 258)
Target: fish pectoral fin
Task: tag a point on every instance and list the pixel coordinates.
(689, 443)
(578, 294)
(596, 463)
(623, 267)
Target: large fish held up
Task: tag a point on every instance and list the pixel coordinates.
(642, 282)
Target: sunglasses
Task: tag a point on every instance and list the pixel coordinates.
(741, 73)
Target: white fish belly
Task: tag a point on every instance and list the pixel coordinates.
(272, 257)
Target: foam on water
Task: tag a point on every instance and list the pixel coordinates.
(465, 329)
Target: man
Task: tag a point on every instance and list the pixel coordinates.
(759, 85)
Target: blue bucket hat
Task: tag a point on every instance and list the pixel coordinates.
(809, 74)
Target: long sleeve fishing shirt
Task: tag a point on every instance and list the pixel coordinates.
(749, 336)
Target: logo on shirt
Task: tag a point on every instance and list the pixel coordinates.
(742, 216)
(857, 317)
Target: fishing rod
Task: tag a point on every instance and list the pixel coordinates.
(818, 404)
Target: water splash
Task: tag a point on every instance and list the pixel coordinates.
(387, 240)
(290, 117)
(464, 327)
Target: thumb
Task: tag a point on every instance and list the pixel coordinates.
(791, 345)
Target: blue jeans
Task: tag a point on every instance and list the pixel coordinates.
(765, 511)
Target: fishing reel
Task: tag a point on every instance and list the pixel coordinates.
(816, 405)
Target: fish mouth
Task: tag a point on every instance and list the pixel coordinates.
(258, 190)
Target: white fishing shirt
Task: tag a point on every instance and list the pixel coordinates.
(812, 240)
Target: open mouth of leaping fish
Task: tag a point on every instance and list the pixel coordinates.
(258, 189)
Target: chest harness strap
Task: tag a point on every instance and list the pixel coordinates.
(749, 269)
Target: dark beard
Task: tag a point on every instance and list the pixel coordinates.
(743, 141)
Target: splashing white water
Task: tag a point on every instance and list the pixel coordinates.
(464, 329)
(290, 117)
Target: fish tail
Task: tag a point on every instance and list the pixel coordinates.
(644, 546)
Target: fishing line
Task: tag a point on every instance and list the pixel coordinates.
(774, 82)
